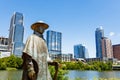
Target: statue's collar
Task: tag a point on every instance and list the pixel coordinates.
(38, 34)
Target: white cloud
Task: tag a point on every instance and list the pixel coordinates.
(101, 27)
(111, 34)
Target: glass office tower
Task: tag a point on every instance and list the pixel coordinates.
(54, 41)
(99, 33)
(16, 33)
(80, 51)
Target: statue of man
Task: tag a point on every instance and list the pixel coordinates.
(35, 55)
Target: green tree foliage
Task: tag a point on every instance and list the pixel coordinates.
(60, 75)
(19, 63)
(96, 65)
(2, 65)
(12, 61)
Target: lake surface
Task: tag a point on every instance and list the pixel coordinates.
(11, 75)
(92, 75)
(84, 75)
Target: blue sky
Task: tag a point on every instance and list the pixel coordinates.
(76, 19)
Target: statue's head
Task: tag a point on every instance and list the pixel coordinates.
(39, 27)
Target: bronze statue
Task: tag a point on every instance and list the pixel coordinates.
(35, 54)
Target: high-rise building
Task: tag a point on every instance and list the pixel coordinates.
(116, 51)
(65, 57)
(107, 50)
(54, 42)
(3, 44)
(80, 51)
(16, 33)
(99, 33)
(86, 53)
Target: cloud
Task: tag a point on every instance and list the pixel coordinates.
(111, 34)
(101, 27)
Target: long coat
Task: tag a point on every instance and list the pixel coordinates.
(36, 48)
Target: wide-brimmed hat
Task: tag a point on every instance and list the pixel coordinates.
(39, 24)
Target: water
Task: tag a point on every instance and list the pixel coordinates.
(92, 75)
(11, 75)
(84, 75)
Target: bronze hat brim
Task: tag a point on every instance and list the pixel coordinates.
(39, 24)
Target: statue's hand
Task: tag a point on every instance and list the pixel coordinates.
(31, 72)
(56, 65)
(31, 75)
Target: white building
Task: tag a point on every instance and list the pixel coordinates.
(4, 54)
(4, 47)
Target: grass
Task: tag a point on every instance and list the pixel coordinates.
(96, 79)
(88, 79)
(9, 69)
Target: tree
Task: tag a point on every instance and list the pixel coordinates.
(19, 63)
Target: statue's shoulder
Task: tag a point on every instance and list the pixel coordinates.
(32, 36)
(35, 38)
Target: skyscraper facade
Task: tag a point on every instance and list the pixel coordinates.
(80, 51)
(107, 50)
(99, 33)
(54, 42)
(116, 51)
(16, 33)
(86, 53)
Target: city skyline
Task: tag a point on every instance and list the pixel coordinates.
(76, 20)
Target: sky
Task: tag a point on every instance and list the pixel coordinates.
(77, 20)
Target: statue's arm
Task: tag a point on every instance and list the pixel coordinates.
(56, 64)
(56, 68)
